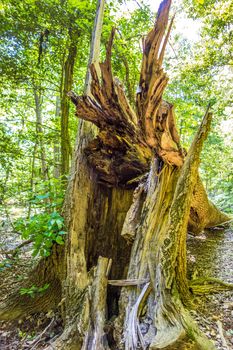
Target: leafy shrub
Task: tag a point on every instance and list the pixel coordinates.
(34, 290)
(43, 229)
(5, 264)
(46, 226)
(49, 195)
(224, 201)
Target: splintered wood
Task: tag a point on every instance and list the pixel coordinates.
(128, 139)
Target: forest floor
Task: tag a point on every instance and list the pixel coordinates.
(209, 254)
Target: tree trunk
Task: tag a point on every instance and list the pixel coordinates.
(39, 143)
(32, 177)
(56, 145)
(120, 157)
(159, 255)
(50, 271)
(132, 193)
(39, 131)
(67, 82)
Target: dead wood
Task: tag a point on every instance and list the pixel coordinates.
(96, 338)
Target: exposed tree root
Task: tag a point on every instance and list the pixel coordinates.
(76, 327)
(17, 306)
(39, 338)
(207, 285)
(70, 339)
(49, 270)
(194, 332)
(173, 325)
(220, 329)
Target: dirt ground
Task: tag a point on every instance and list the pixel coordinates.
(209, 254)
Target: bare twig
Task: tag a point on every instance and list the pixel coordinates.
(14, 251)
(131, 282)
(220, 329)
(37, 340)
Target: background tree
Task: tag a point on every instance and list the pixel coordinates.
(202, 71)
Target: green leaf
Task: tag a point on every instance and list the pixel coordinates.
(43, 196)
(62, 233)
(59, 240)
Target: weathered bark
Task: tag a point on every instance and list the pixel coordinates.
(49, 270)
(159, 254)
(203, 213)
(119, 155)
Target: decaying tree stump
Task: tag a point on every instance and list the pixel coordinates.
(142, 149)
(128, 140)
(133, 193)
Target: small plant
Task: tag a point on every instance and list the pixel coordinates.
(34, 290)
(43, 229)
(22, 334)
(5, 264)
(49, 195)
(46, 227)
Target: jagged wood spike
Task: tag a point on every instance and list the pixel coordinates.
(162, 52)
(171, 273)
(151, 71)
(178, 219)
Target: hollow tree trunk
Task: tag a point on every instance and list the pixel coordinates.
(131, 182)
(119, 156)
